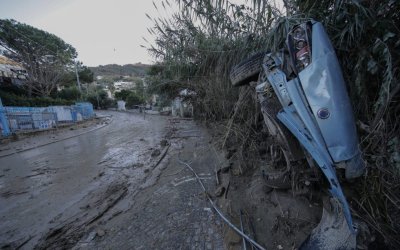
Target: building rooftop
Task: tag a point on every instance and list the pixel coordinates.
(8, 61)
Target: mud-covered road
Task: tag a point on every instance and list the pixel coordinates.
(119, 186)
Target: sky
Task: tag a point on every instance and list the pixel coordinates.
(102, 31)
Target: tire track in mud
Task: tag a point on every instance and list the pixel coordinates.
(169, 209)
(71, 230)
(98, 182)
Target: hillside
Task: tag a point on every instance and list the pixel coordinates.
(137, 69)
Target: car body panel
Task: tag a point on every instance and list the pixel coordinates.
(324, 88)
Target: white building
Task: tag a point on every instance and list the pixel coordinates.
(182, 108)
(121, 105)
(120, 85)
(12, 70)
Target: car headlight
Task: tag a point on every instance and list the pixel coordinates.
(299, 46)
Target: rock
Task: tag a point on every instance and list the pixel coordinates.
(226, 167)
(232, 237)
(146, 170)
(141, 139)
(219, 191)
(85, 207)
(91, 236)
(156, 152)
(203, 195)
(163, 143)
(263, 149)
(230, 153)
(236, 172)
(137, 165)
(266, 189)
(100, 232)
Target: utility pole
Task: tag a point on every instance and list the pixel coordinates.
(97, 97)
(77, 77)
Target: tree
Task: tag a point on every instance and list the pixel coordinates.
(123, 94)
(70, 93)
(85, 74)
(99, 99)
(139, 89)
(69, 77)
(133, 99)
(45, 56)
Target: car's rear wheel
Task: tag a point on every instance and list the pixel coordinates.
(247, 70)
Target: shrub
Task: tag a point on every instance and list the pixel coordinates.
(133, 99)
(70, 93)
(10, 99)
(100, 100)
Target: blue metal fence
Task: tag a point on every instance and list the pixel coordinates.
(4, 129)
(14, 119)
(85, 109)
(27, 120)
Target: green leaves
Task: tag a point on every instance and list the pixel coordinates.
(198, 45)
(45, 56)
(26, 39)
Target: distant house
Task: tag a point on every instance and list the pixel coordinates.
(120, 85)
(180, 107)
(121, 105)
(108, 91)
(154, 99)
(11, 71)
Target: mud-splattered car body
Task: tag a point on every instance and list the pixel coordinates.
(314, 106)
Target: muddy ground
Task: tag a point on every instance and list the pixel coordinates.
(124, 185)
(117, 186)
